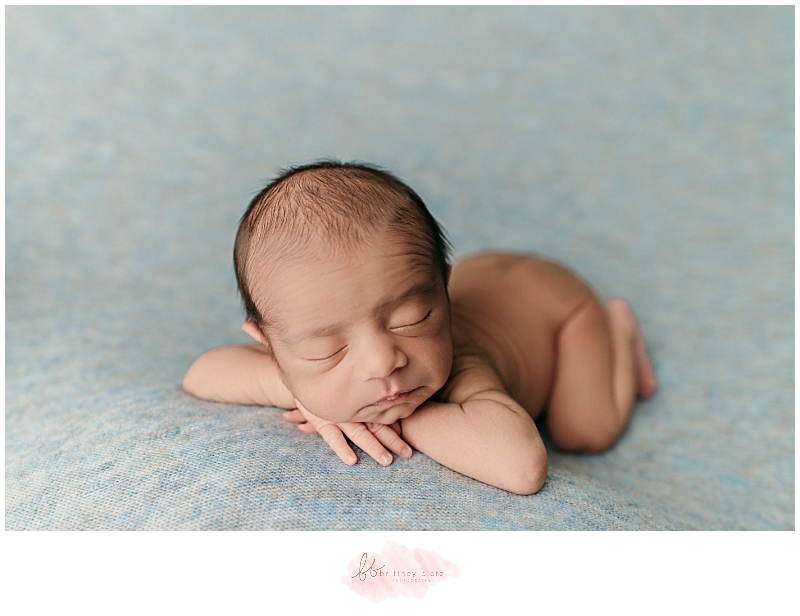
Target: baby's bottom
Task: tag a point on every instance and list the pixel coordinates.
(601, 366)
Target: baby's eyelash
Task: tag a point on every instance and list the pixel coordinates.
(321, 359)
(422, 320)
(328, 357)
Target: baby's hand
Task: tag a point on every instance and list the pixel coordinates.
(371, 437)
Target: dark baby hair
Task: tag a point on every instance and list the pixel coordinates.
(341, 204)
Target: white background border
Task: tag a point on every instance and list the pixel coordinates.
(300, 572)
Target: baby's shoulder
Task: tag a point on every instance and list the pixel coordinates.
(511, 295)
(472, 372)
(510, 269)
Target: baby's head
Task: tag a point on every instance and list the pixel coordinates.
(343, 274)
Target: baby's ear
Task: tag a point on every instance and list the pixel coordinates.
(252, 329)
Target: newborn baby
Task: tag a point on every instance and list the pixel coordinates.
(364, 331)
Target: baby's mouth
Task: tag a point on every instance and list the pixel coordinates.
(390, 401)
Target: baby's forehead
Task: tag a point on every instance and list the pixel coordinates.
(328, 289)
(309, 256)
(397, 269)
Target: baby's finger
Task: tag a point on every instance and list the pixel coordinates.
(335, 439)
(390, 439)
(307, 428)
(361, 436)
(294, 416)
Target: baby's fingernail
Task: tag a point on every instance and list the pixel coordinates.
(351, 460)
(386, 460)
(406, 452)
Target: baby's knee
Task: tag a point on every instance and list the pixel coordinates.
(584, 439)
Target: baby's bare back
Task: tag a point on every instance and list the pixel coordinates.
(507, 310)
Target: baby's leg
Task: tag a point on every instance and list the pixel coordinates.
(601, 366)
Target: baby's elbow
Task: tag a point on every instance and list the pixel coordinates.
(529, 473)
(190, 383)
(194, 380)
(530, 482)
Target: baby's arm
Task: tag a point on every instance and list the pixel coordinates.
(488, 437)
(238, 374)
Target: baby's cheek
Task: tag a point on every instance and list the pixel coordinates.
(443, 362)
(326, 406)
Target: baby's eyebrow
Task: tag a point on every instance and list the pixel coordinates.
(422, 288)
(320, 332)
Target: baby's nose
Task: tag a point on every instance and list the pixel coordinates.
(381, 358)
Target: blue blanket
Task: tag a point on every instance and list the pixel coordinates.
(649, 148)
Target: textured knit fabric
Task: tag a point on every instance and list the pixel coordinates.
(650, 149)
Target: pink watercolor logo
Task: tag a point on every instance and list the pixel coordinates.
(396, 570)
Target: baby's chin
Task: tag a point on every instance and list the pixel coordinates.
(389, 416)
(385, 417)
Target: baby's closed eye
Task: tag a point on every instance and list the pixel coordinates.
(410, 321)
(327, 357)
